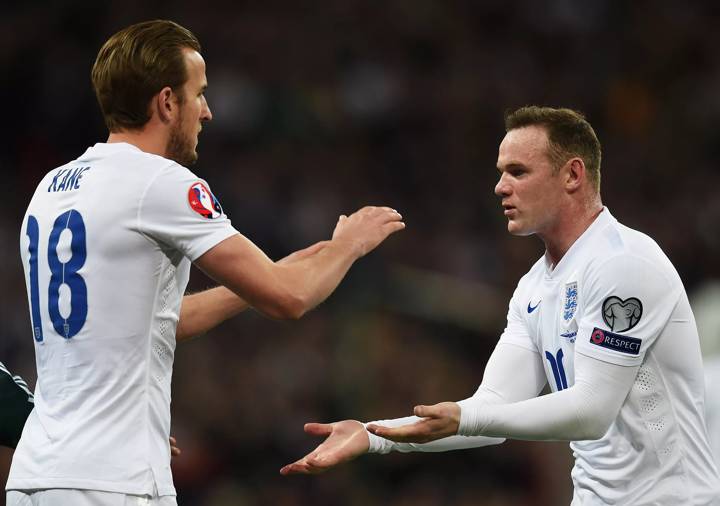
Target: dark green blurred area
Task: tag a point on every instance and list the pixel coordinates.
(323, 107)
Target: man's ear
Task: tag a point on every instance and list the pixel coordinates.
(165, 104)
(574, 174)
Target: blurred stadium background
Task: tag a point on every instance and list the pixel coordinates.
(321, 107)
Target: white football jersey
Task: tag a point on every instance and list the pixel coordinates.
(106, 244)
(616, 297)
(712, 399)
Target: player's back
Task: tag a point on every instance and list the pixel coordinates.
(104, 293)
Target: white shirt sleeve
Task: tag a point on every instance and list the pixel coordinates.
(513, 373)
(179, 210)
(628, 301)
(582, 412)
(516, 331)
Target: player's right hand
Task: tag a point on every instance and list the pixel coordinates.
(366, 228)
(345, 441)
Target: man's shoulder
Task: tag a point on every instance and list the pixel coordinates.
(618, 244)
(623, 253)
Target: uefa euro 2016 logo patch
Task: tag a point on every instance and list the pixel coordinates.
(621, 315)
(203, 202)
(571, 299)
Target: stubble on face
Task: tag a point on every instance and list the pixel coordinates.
(180, 147)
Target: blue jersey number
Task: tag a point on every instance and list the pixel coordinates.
(558, 370)
(61, 273)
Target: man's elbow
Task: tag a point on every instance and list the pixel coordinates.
(289, 307)
(594, 427)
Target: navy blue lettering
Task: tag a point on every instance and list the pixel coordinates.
(79, 176)
(61, 186)
(70, 179)
(53, 185)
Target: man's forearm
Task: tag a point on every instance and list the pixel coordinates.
(581, 412)
(316, 276)
(382, 445)
(203, 311)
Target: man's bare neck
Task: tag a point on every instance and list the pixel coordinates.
(559, 240)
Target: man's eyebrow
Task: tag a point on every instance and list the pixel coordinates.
(510, 166)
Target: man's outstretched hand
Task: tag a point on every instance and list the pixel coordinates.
(344, 441)
(366, 228)
(438, 421)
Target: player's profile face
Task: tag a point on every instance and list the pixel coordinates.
(193, 111)
(529, 188)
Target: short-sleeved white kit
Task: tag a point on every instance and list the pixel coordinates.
(106, 244)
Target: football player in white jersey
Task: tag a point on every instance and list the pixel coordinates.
(106, 244)
(602, 318)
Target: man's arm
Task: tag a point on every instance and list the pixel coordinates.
(582, 412)
(513, 373)
(203, 311)
(290, 290)
(606, 364)
(200, 312)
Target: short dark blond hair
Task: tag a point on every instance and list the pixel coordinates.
(569, 135)
(135, 64)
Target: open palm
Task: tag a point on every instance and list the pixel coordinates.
(344, 441)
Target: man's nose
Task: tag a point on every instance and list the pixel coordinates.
(503, 188)
(206, 113)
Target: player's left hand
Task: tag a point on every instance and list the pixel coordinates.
(438, 421)
(174, 450)
(344, 441)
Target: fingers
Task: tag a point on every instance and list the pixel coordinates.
(174, 450)
(426, 411)
(393, 433)
(384, 212)
(299, 467)
(318, 429)
(392, 227)
(423, 431)
(307, 465)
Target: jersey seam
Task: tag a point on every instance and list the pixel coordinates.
(634, 256)
(148, 372)
(141, 202)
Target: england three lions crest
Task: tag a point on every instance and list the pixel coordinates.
(571, 297)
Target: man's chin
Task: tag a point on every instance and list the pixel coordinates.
(185, 159)
(516, 228)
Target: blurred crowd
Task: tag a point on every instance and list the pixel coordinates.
(322, 107)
